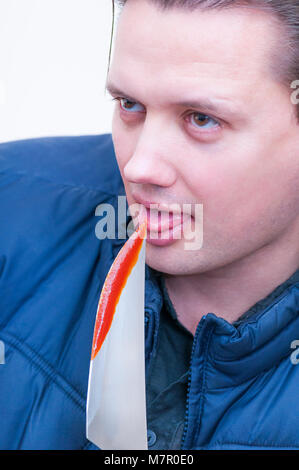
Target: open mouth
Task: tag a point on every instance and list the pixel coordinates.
(164, 228)
(165, 223)
(162, 221)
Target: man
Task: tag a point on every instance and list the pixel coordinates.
(204, 116)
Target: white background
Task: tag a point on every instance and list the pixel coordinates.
(53, 68)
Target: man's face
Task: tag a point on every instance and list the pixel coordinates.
(203, 121)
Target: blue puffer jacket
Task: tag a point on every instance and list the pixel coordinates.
(243, 386)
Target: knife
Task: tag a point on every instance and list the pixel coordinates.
(116, 401)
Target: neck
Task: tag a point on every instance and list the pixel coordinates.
(229, 291)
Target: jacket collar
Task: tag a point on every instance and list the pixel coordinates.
(260, 339)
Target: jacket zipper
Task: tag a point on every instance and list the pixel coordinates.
(199, 326)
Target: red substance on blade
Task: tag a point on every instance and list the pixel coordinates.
(113, 286)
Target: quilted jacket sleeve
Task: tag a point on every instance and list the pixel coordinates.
(52, 267)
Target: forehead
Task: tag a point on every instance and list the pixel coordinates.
(178, 49)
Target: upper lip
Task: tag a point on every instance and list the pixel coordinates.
(173, 208)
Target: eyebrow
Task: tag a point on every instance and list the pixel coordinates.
(217, 105)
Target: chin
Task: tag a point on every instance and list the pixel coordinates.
(176, 261)
(170, 261)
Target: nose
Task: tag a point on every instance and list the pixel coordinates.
(152, 160)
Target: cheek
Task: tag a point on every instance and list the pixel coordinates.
(230, 196)
(124, 141)
(211, 185)
(121, 145)
(123, 151)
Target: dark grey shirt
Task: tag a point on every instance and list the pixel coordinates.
(168, 379)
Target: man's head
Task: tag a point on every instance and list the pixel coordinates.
(206, 117)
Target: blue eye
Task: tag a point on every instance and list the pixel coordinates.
(129, 106)
(203, 121)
